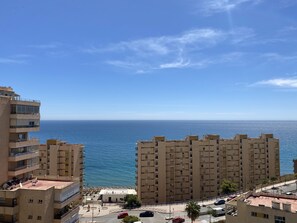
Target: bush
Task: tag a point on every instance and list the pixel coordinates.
(130, 219)
(131, 201)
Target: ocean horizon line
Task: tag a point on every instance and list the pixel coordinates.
(207, 120)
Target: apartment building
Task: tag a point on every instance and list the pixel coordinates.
(23, 197)
(58, 158)
(295, 165)
(193, 168)
(18, 152)
(262, 208)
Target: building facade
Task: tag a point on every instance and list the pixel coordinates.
(58, 158)
(115, 195)
(295, 165)
(180, 170)
(262, 208)
(23, 197)
(18, 152)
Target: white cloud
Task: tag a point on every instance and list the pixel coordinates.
(164, 45)
(214, 6)
(11, 61)
(279, 57)
(287, 3)
(280, 82)
(45, 46)
(177, 64)
(242, 34)
(125, 64)
(184, 50)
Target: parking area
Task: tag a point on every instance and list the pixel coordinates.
(158, 218)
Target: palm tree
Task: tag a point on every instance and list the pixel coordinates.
(193, 210)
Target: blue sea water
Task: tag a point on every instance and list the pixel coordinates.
(110, 145)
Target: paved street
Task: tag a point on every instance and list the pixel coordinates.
(108, 213)
(158, 218)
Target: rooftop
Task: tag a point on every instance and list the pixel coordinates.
(44, 184)
(267, 201)
(118, 191)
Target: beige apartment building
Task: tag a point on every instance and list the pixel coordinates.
(295, 165)
(262, 208)
(23, 197)
(180, 170)
(58, 158)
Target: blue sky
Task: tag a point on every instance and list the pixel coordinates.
(169, 59)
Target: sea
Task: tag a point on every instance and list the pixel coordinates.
(110, 145)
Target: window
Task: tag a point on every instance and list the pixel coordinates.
(39, 201)
(266, 216)
(2, 200)
(30, 217)
(254, 214)
(279, 219)
(30, 201)
(38, 217)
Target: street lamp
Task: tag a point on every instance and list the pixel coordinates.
(209, 210)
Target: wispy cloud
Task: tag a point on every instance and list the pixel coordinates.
(279, 57)
(197, 38)
(45, 46)
(177, 64)
(186, 50)
(280, 82)
(241, 35)
(209, 7)
(287, 3)
(11, 61)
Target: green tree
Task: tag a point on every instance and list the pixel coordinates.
(193, 210)
(228, 187)
(130, 218)
(131, 201)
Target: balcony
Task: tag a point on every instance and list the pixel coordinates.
(24, 143)
(23, 169)
(23, 156)
(34, 116)
(62, 204)
(71, 216)
(9, 210)
(25, 128)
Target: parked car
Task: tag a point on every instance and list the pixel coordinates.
(289, 193)
(122, 215)
(231, 197)
(219, 202)
(146, 214)
(178, 220)
(218, 212)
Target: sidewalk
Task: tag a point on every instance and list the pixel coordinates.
(97, 210)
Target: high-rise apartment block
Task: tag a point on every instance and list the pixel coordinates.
(23, 197)
(295, 165)
(58, 158)
(179, 170)
(18, 152)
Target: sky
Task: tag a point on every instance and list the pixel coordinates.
(152, 60)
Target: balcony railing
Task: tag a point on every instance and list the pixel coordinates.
(23, 143)
(66, 212)
(24, 99)
(24, 126)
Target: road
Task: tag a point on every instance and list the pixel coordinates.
(158, 218)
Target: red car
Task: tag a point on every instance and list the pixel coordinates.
(178, 220)
(122, 215)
